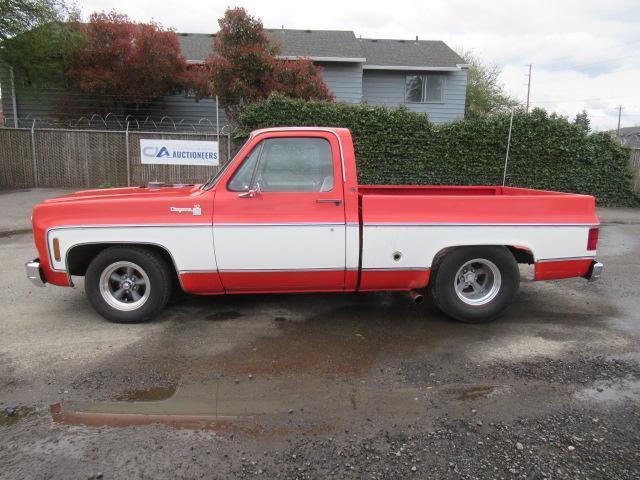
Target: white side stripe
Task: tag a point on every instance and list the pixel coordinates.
(418, 245)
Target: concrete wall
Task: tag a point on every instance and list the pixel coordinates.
(382, 87)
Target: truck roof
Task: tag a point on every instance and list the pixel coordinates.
(337, 130)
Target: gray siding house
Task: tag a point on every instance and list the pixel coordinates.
(424, 75)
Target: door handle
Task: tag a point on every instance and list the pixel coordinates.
(337, 201)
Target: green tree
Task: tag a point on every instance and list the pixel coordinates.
(485, 93)
(35, 36)
(19, 16)
(583, 121)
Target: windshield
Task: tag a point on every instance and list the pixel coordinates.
(214, 180)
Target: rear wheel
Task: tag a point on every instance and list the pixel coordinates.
(475, 284)
(128, 284)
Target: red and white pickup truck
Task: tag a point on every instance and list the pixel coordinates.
(287, 215)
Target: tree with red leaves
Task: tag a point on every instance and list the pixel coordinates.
(245, 68)
(126, 63)
(300, 78)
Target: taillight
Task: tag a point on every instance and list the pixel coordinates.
(592, 241)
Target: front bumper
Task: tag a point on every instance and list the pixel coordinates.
(595, 271)
(34, 274)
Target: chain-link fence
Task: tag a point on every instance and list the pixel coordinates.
(44, 157)
(112, 121)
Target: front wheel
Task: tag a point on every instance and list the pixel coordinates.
(128, 284)
(475, 284)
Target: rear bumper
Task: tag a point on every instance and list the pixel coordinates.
(557, 269)
(34, 274)
(595, 271)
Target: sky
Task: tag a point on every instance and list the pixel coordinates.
(585, 54)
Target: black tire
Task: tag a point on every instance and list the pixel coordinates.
(443, 284)
(158, 277)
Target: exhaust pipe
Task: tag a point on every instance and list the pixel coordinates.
(416, 297)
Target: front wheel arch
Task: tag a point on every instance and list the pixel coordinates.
(81, 255)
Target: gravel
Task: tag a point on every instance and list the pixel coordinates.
(606, 448)
(578, 369)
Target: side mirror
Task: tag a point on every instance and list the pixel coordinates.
(254, 192)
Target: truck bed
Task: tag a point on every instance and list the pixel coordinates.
(473, 205)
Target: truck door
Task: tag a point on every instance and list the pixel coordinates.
(279, 218)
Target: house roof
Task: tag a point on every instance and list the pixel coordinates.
(416, 53)
(341, 46)
(196, 47)
(629, 136)
(320, 44)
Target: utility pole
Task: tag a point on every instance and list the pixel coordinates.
(619, 116)
(528, 88)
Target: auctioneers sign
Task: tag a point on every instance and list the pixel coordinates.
(179, 152)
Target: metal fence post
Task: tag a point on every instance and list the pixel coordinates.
(506, 158)
(33, 155)
(14, 104)
(126, 147)
(218, 129)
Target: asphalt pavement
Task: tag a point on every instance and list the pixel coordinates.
(324, 386)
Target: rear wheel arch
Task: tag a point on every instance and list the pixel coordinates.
(521, 254)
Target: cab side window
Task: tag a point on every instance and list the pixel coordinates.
(296, 165)
(287, 165)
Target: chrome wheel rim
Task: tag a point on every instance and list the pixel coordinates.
(477, 282)
(125, 286)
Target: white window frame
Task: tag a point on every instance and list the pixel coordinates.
(423, 98)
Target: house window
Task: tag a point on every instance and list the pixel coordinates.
(424, 88)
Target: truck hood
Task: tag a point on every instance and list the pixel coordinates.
(130, 193)
(184, 204)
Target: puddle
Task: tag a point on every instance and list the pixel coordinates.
(620, 392)
(71, 416)
(218, 316)
(10, 416)
(227, 404)
(148, 395)
(471, 392)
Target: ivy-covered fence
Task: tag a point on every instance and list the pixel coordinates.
(402, 147)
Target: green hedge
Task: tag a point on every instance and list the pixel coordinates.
(402, 147)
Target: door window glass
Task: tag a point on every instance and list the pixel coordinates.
(295, 165)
